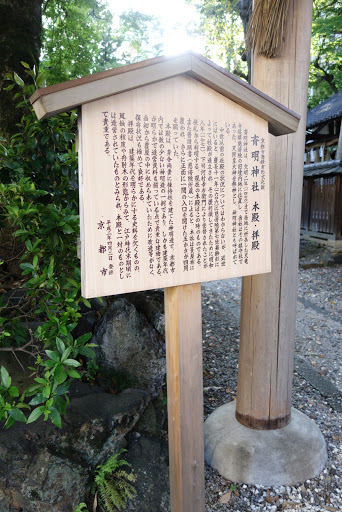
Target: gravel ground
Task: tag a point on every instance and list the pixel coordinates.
(316, 385)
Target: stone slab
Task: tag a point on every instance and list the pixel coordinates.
(317, 381)
(285, 456)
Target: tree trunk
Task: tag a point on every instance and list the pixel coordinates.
(245, 10)
(268, 313)
(20, 40)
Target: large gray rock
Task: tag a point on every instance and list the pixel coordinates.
(129, 345)
(44, 468)
(54, 484)
(148, 457)
(151, 304)
(34, 480)
(96, 425)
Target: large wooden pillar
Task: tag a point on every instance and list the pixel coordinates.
(268, 312)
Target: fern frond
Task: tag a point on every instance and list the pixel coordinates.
(113, 484)
(129, 476)
(111, 465)
(123, 474)
(82, 507)
(126, 489)
(110, 498)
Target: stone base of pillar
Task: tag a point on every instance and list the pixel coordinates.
(285, 456)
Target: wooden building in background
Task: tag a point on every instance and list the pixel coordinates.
(322, 185)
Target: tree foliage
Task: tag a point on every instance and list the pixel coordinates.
(141, 35)
(223, 30)
(75, 38)
(82, 37)
(325, 76)
(20, 39)
(224, 33)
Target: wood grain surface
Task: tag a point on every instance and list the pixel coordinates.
(183, 322)
(268, 313)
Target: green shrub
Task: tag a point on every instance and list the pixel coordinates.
(38, 209)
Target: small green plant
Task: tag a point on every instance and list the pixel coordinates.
(82, 507)
(112, 485)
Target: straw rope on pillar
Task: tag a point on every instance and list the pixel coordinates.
(267, 26)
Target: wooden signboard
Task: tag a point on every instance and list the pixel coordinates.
(174, 189)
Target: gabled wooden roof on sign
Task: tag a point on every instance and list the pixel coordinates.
(65, 96)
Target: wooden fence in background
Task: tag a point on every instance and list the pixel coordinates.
(322, 207)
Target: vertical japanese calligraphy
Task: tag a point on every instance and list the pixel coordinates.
(178, 195)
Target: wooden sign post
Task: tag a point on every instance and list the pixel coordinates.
(183, 318)
(174, 190)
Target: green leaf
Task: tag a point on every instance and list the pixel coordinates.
(49, 402)
(49, 363)
(5, 378)
(86, 302)
(63, 330)
(66, 354)
(55, 417)
(9, 87)
(27, 66)
(38, 399)
(13, 391)
(45, 138)
(51, 266)
(25, 266)
(84, 338)
(46, 391)
(62, 389)
(60, 375)
(74, 374)
(73, 282)
(60, 404)
(25, 272)
(67, 229)
(18, 80)
(71, 362)
(54, 355)
(40, 380)
(60, 345)
(39, 79)
(10, 421)
(17, 415)
(68, 136)
(22, 405)
(88, 352)
(33, 388)
(35, 414)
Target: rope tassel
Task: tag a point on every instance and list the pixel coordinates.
(266, 27)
